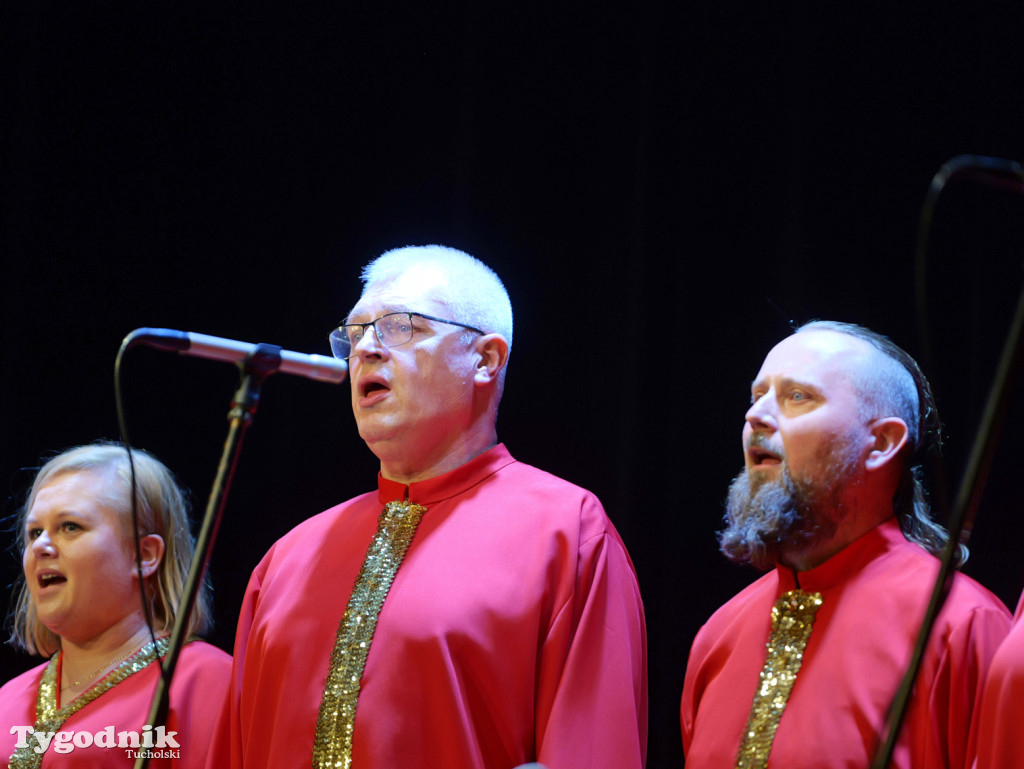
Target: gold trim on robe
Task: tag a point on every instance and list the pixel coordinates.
(50, 718)
(332, 743)
(792, 622)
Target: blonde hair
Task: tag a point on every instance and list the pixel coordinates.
(162, 509)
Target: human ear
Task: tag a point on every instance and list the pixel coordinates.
(889, 436)
(492, 352)
(151, 550)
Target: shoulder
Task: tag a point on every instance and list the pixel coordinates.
(919, 570)
(972, 621)
(968, 590)
(205, 654)
(971, 602)
(742, 609)
(535, 478)
(528, 483)
(315, 527)
(907, 574)
(20, 692)
(27, 680)
(202, 667)
(548, 502)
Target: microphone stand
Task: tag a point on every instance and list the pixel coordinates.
(254, 369)
(983, 450)
(968, 499)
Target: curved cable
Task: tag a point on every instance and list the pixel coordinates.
(1007, 174)
(122, 424)
(993, 172)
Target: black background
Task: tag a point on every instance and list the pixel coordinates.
(662, 188)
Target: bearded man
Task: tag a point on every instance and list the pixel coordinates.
(800, 668)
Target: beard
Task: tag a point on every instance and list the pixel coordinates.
(767, 519)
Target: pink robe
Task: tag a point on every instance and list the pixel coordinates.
(197, 694)
(875, 594)
(1001, 740)
(513, 632)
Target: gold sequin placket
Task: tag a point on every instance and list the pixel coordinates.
(50, 718)
(332, 743)
(792, 621)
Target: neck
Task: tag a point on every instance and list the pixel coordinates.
(407, 467)
(848, 530)
(84, 662)
(402, 472)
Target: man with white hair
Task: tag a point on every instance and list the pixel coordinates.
(800, 668)
(471, 613)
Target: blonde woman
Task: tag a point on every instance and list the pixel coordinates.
(80, 605)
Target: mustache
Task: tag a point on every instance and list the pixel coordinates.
(762, 441)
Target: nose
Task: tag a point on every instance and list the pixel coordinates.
(42, 546)
(761, 414)
(369, 346)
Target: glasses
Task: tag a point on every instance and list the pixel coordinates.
(392, 329)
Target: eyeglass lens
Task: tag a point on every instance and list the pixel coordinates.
(392, 330)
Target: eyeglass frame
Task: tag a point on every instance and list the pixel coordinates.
(373, 325)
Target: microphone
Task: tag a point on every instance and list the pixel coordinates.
(318, 367)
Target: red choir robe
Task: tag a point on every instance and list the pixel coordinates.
(513, 632)
(875, 593)
(197, 695)
(1001, 736)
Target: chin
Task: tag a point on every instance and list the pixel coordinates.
(375, 432)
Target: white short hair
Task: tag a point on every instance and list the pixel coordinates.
(472, 291)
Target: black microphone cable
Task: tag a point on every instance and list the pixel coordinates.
(1009, 175)
(122, 424)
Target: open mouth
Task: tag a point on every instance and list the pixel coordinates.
(761, 456)
(50, 578)
(371, 387)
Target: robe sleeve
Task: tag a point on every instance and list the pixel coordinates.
(199, 687)
(592, 692)
(959, 684)
(691, 694)
(226, 747)
(1001, 738)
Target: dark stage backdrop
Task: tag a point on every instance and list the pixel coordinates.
(662, 187)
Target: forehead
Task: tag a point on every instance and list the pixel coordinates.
(420, 289)
(822, 358)
(80, 491)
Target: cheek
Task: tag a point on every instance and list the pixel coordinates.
(111, 562)
(110, 578)
(799, 449)
(124, 558)
(28, 558)
(809, 454)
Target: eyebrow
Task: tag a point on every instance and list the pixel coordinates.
(63, 513)
(386, 310)
(786, 382)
